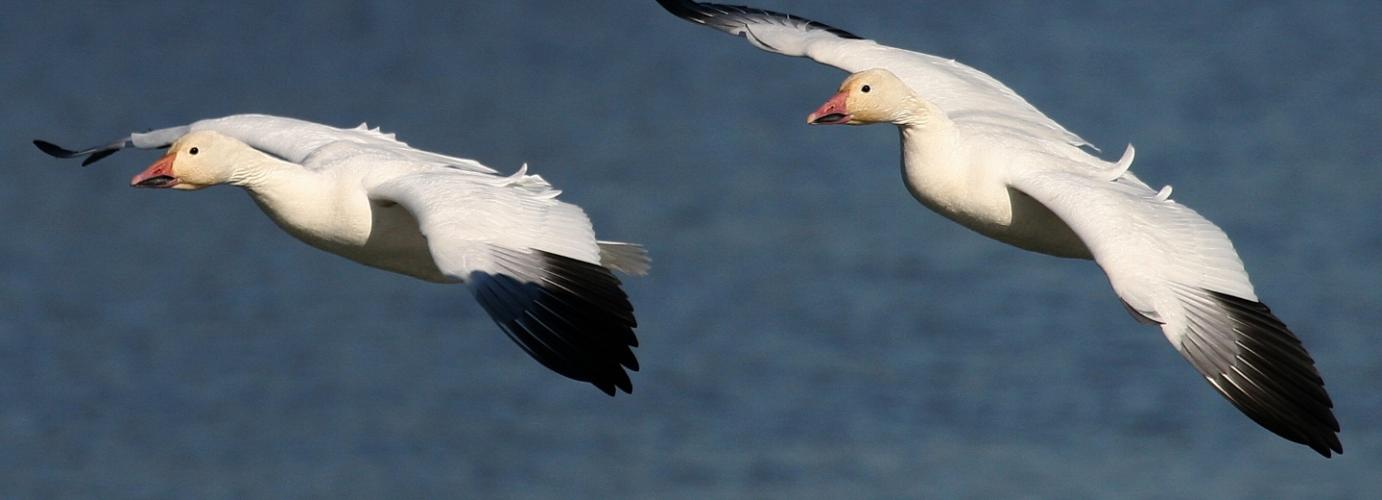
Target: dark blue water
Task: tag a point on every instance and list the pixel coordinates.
(809, 330)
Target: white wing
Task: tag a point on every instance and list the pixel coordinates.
(295, 140)
(533, 264)
(287, 138)
(1171, 266)
(967, 95)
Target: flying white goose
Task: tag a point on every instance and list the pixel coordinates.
(977, 153)
(532, 261)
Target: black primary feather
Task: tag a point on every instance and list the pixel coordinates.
(575, 320)
(92, 154)
(717, 15)
(1262, 368)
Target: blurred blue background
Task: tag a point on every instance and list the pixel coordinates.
(808, 331)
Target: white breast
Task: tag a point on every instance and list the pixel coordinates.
(968, 185)
(331, 211)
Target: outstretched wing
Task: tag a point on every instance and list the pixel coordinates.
(967, 95)
(1171, 266)
(768, 30)
(533, 264)
(295, 140)
(287, 138)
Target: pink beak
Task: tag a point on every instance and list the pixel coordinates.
(158, 175)
(832, 112)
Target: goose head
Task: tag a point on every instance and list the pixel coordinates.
(195, 161)
(871, 96)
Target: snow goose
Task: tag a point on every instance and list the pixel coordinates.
(979, 154)
(531, 260)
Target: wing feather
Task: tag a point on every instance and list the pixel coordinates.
(968, 96)
(533, 264)
(295, 140)
(287, 138)
(1169, 264)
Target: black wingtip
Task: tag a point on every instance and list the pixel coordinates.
(1274, 380)
(92, 154)
(700, 13)
(574, 318)
(54, 150)
(680, 8)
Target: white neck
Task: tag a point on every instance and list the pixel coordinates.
(282, 189)
(299, 200)
(943, 174)
(933, 163)
(256, 172)
(968, 185)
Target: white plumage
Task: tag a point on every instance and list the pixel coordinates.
(530, 259)
(977, 153)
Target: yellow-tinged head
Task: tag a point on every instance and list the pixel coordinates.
(197, 160)
(871, 96)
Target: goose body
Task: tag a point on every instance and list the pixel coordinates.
(531, 260)
(977, 153)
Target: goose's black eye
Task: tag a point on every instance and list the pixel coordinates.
(865, 89)
(192, 151)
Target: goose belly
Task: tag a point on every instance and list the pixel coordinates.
(380, 235)
(1032, 226)
(1006, 215)
(394, 243)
